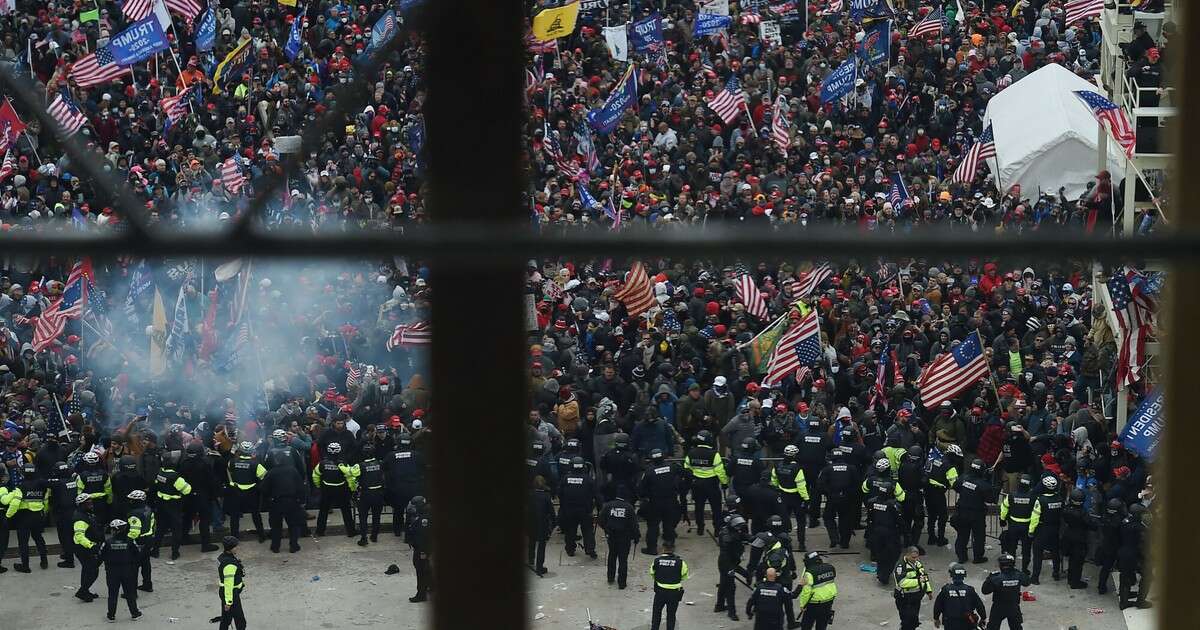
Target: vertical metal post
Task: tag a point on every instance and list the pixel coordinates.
(1176, 553)
(479, 384)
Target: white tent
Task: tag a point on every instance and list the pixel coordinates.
(1045, 136)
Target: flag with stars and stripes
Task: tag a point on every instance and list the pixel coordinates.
(415, 334)
(187, 9)
(176, 107)
(553, 149)
(137, 10)
(933, 24)
(97, 68)
(231, 175)
(1107, 111)
(587, 148)
(953, 372)
(9, 166)
(781, 127)
(1135, 319)
(748, 294)
(729, 102)
(878, 393)
(798, 347)
(64, 111)
(811, 280)
(898, 194)
(53, 320)
(984, 148)
(638, 293)
(1083, 9)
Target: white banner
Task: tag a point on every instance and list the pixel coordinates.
(287, 144)
(617, 38)
(718, 7)
(768, 32)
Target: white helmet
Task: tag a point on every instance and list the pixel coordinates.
(117, 523)
(791, 450)
(882, 465)
(279, 434)
(954, 449)
(137, 495)
(246, 446)
(334, 448)
(91, 457)
(82, 498)
(1050, 482)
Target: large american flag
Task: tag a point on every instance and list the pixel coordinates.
(66, 114)
(1083, 9)
(748, 294)
(798, 347)
(931, 25)
(729, 102)
(877, 390)
(1106, 111)
(188, 9)
(638, 293)
(781, 127)
(53, 321)
(415, 334)
(953, 372)
(811, 280)
(176, 107)
(553, 149)
(98, 67)
(983, 149)
(1135, 318)
(231, 175)
(137, 9)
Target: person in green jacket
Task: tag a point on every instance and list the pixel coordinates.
(27, 513)
(232, 580)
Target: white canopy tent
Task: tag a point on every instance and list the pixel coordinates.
(1045, 136)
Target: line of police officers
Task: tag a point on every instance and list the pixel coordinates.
(902, 490)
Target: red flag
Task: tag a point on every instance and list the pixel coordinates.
(10, 124)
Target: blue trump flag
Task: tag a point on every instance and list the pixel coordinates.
(709, 23)
(840, 82)
(294, 43)
(206, 30)
(1145, 426)
(586, 199)
(876, 43)
(646, 35)
(623, 95)
(868, 9)
(140, 41)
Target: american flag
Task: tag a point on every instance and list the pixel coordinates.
(748, 293)
(137, 9)
(1135, 318)
(416, 334)
(931, 25)
(1106, 111)
(877, 390)
(751, 18)
(9, 166)
(354, 376)
(835, 6)
(66, 114)
(811, 280)
(1083, 9)
(231, 175)
(953, 372)
(729, 102)
(98, 67)
(898, 194)
(553, 150)
(536, 45)
(803, 372)
(983, 149)
(638, 294)
(781, 127)
(587, 148)
(53, 320)
(798, 347)
(176, 107)
(189, 9)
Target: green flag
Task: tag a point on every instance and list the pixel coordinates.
(90, 16)
(764, 344)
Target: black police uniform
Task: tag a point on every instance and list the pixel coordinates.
(1110, 542)
(1005, 589)
(121, 557)
(839, 483)
(813, 446)
(620, 523)
(744, 470)
(243, 493)
(1048, 536)
(1076, 523)
(770, 605)
(955, 604)
(62, 508)
(539, 524)
(668, 571)
(284, 489)
(126, 480)
(1131, 562)
(970, 515)
(405, 478)
(169, 509)
(88, 537)
(732, 545)
(372, 492)
(418, 535)
(912, 479)
(142, 515)
(578, 496)
(883, 535)
(706, 490)
(788, 475)
(91, 480)
(334, 486)
(197, 470)
(622, 467)
(659, 488)
(763, 501)
(1020, 510)
(938, 478)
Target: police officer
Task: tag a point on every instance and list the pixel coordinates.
(371, 492)
(911, 477)
(578, 498)
(763, 501)
(772, 603)
(141, 531)
(957, 605)
(333, 477)
(620, 467)
(231, 576)
(1110, 540)
(287, 454)
(126, 480)
(87, 539)
(404, 478)
(668, 571)
(1046, 536)
(1020, 513)
(1131, 559)
(912, 583)
(812, 446)
(763, 540)
(92, 479)
(197, 470)
(1076, 523)
(620, 524)
(940, 475)
(539, 464)
(284, 490)
(969, 520)
(170, 487)
(539, 524)
(1005, 588)
(744, 468)
(244, 472)
(880, 483)
(779, 556)
(788, 477)
(817, 593)
(883, 534)
(732, 541)
(708, 476)
(27, 514)
(120, 555)
(62, 508)
(839, 483)
(659, 488)
(418, 535)
(4, 524)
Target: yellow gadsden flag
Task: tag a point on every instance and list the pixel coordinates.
(158, 335)
(557, 22)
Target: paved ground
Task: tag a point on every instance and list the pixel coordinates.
(333, 583)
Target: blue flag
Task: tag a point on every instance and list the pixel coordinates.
(384, 30)
(709, 23)
(294, 43)
(840, 82)
(1145, 427)
(646, 36)
(138, 42)
(876, 43)
(409, 5)
(206, 30)
(589, 202)
(867, 9)
(605, 118)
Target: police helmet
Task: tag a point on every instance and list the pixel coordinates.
(893, 439)
(246, 446)
(1025, 482)
(279, 435)
(128, 463)
(406, 439)
(573, 443)
(368, 449)
(1137, 510)
(137, 495)
(91, 457)
(621, 441)
(577, 463)
(83, 498)
(171, 459)
(229, 542)
(655, 454)
(737, 522)
(704, 437)
(878, 455)
(194, 449)
(791, 450)
(882, 465)
(117, 523)
(957, 571)
(814, 423)
(418, 502)
(1007, 561)
(334, 448)
(1077, 496)
(29, 469)
(1050, 482)
(977, 465)
(954, 450)
(1115, 506)
(812, 558)
(916, 452)
(750, 444)
(775, 522)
